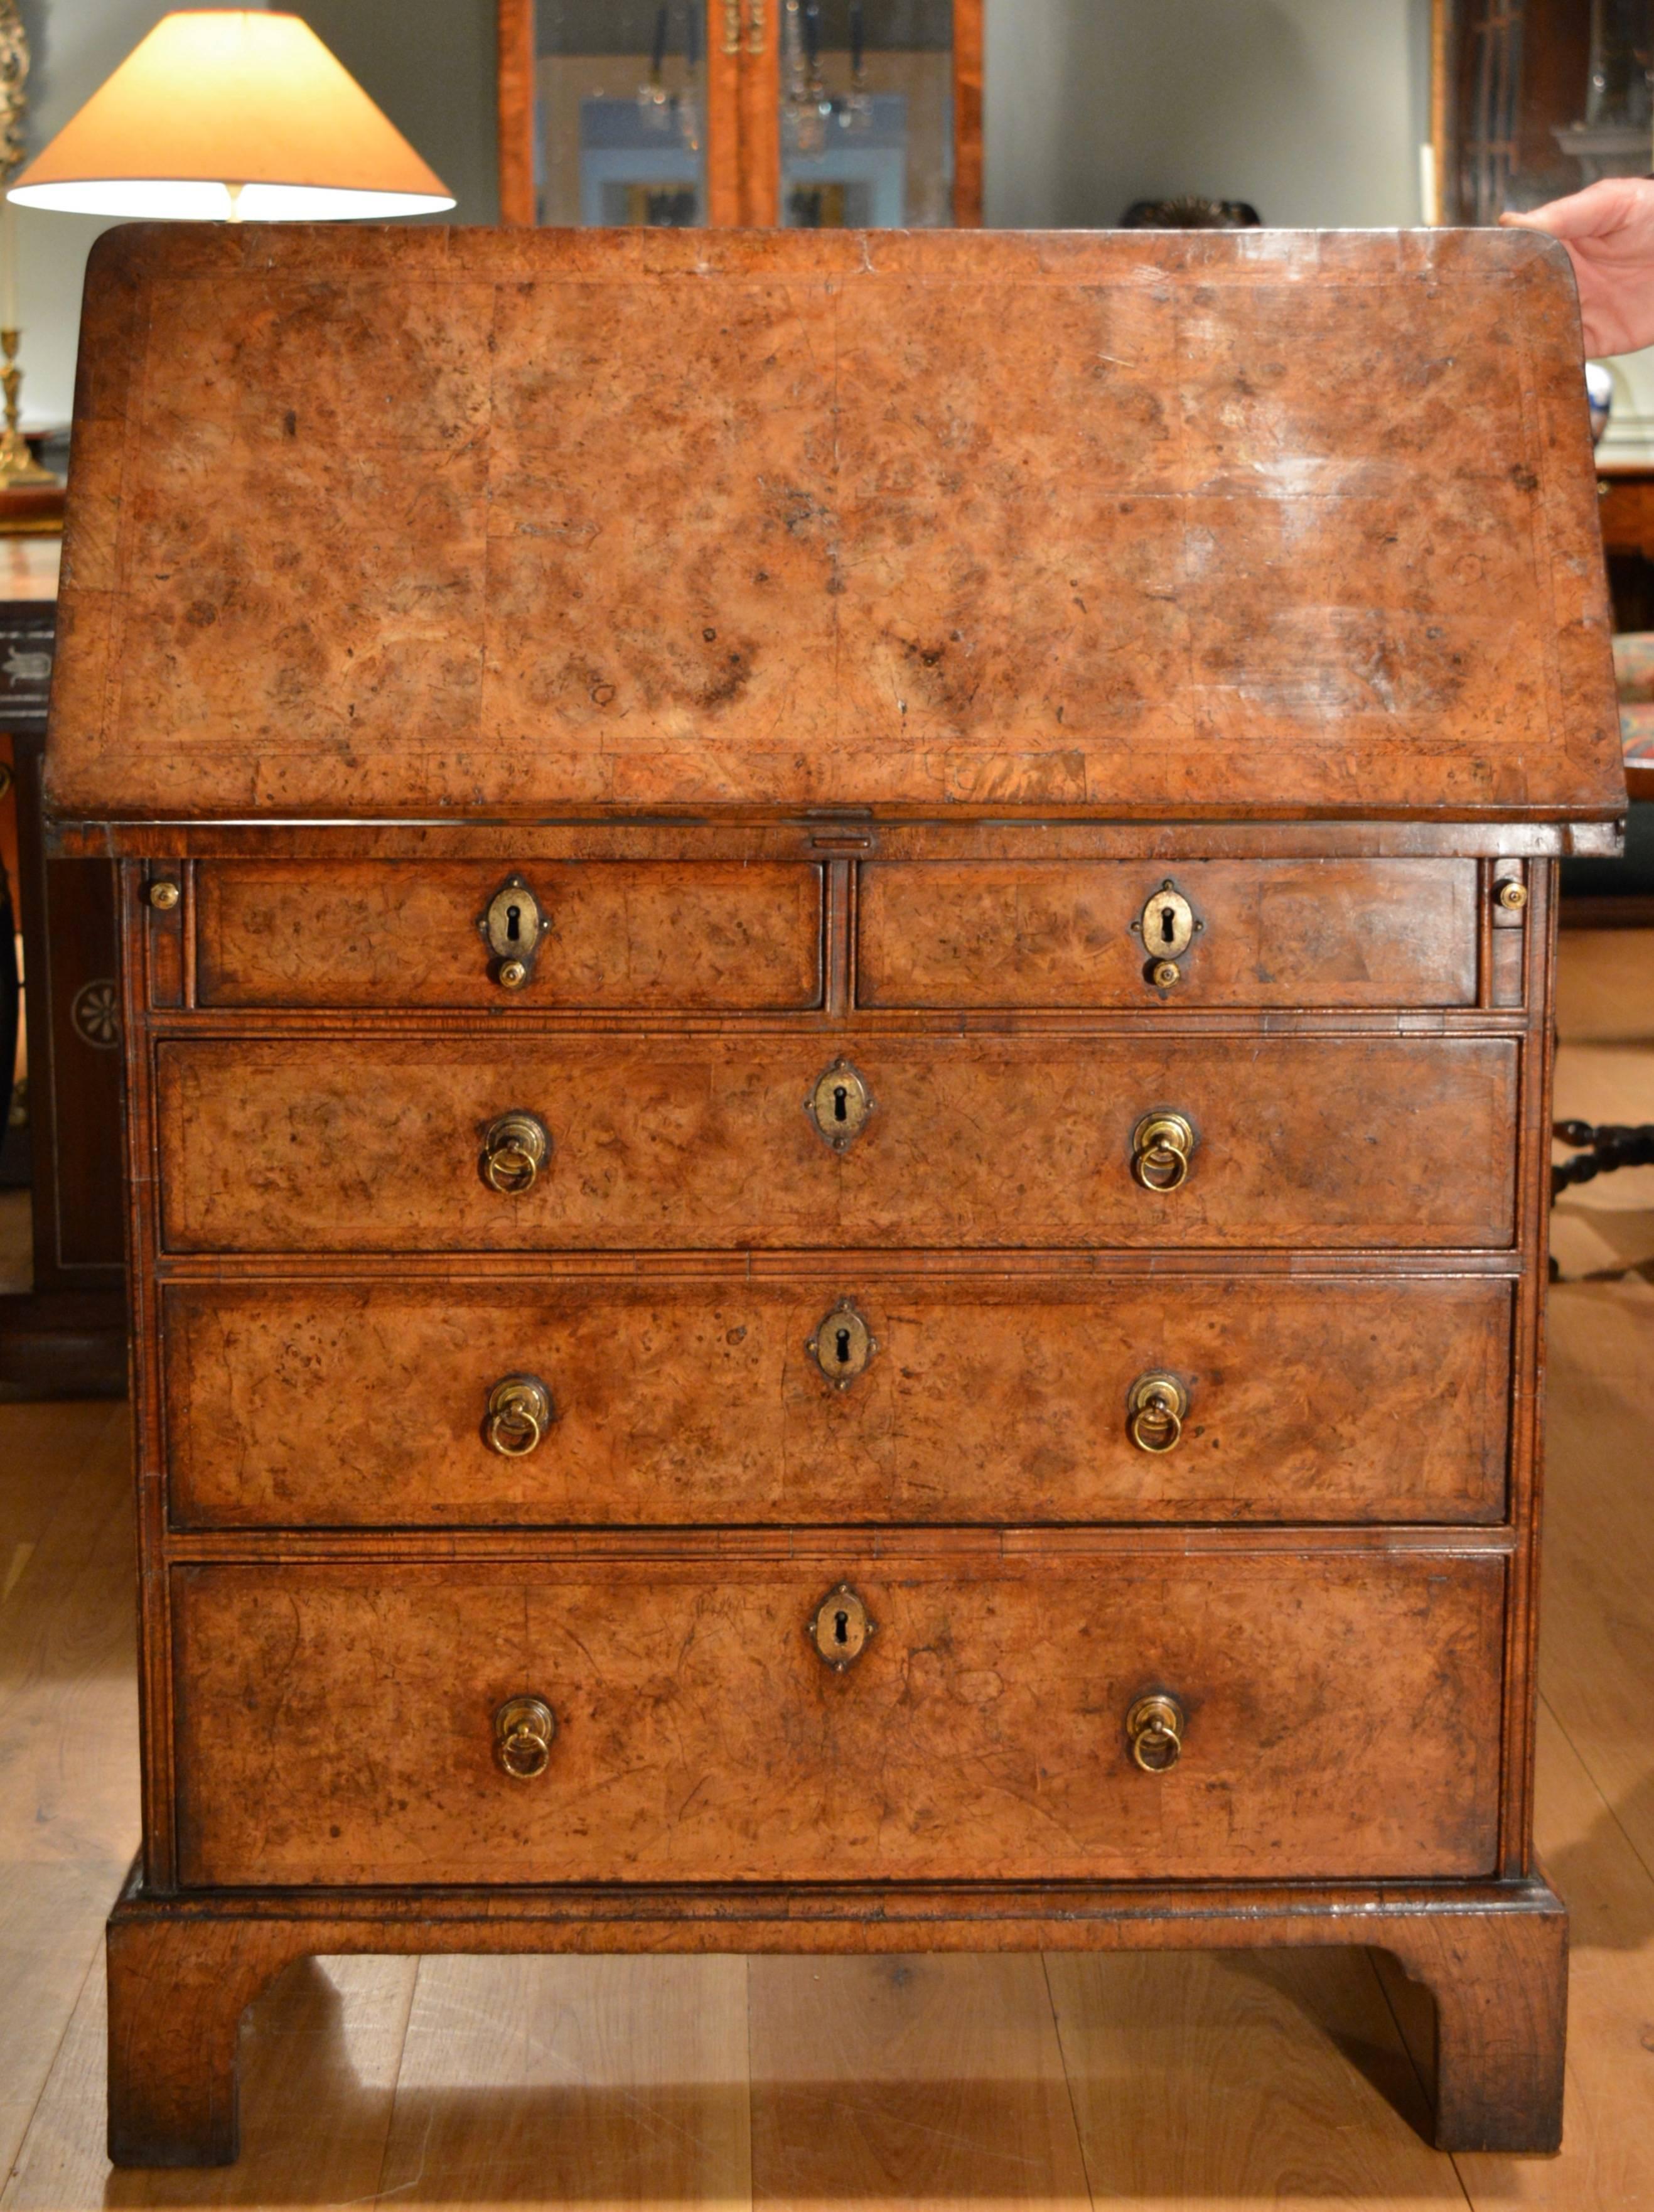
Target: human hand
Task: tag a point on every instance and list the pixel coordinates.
(1609, 231)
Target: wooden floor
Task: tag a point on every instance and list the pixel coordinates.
(1280, 2079)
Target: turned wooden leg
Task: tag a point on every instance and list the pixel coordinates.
(178, 1988)
(1501, 1982)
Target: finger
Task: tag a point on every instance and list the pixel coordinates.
(1607, 206)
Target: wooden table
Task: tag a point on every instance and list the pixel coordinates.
(1626, 495)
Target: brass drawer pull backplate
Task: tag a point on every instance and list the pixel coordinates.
(1161, 1145)
(515, 1147)
(519, 1413)
(1155, 1729)
(1156, 1408)
(523, 1731)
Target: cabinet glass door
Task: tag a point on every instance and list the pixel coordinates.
(866, 111)
(620, 101)
(806, 113)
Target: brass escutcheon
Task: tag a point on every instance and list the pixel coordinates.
(842, 1345)
(513, 924)
(1156, 1407)
(839, 1105)
(839, 1628)
(1155, 1729)
(519, 1411)
(523, 1731)
(1167, 924)
(164, 895)
(1161, 1146)
(515, 1147)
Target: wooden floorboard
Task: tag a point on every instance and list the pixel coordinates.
(614, 2082)
(1238, 2079)
(912, 2080)
(319, 2057)
(1597, 1635)
(1607, 2161)
(69, 1775)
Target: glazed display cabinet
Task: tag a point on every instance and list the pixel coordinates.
(810, 114)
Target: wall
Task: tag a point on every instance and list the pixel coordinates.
(430, 65)
(1304, 107)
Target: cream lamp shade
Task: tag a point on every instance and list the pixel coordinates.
(233, 114)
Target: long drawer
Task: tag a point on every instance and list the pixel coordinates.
(1339, 1719)
(699, 1401)
(360, 1146)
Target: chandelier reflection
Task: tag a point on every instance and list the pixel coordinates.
(674, 111)
(810, 110)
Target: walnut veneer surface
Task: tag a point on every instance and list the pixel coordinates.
(839, 644)
(426, 518)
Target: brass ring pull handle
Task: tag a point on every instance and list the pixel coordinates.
(515, 1147)
(1157, 1406)
(519, 1414)
(1155, 1729)
(523, 1732)
(1161, 1145)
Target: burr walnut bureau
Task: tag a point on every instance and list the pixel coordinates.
(837, 996)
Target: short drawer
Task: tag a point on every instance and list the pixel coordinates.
(618, 935)
(705, 1142)
(699, 1401)
(1076, 933)
(1338, 1719)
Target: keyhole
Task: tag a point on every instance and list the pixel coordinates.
(841, 1628)
(514, 920)
(840, 1103)
(844, 1348)
(1168, 925)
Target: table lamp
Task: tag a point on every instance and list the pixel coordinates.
(236, 115)
(220, 114)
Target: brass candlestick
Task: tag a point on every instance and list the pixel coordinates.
(17, 464)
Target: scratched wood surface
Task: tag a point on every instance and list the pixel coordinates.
(694, 1400)
(1275, 933)
(336, 1722)
(1197, 2083)
(625, 936)
(667, 1142)
(372, 519)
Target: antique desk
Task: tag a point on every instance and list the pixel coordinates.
(837, 997)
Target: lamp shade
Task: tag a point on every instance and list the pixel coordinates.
(231, 113)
